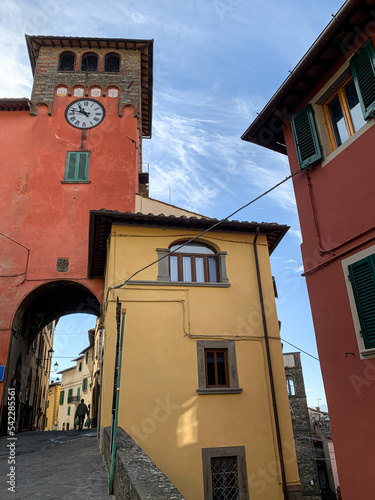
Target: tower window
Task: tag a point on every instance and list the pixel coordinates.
(67, 61)
(89, 62)
(112, 63)
(290, 385)
(76, 170)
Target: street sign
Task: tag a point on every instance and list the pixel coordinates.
(2, 369)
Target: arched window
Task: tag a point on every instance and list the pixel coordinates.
(112, 63)
(290, 385)
(194, 262)
(89, 62)
(67, 61)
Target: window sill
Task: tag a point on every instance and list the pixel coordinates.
(348, 142)
(223, 390)
(367, 353)
(75, 182)
(178, 283)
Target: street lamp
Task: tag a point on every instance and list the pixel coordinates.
(56, 366)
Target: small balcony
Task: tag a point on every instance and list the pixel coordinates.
(74, 399)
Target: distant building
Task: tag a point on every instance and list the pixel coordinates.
(324, 452)
(52, 412)
(76, 384)
(303, 439)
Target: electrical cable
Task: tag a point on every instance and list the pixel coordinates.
(305, 352)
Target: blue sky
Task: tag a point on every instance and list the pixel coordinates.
(216, 64)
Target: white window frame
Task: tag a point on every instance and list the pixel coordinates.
(364, 353)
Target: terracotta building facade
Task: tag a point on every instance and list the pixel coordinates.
(322, 118)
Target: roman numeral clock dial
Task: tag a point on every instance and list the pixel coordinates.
(84, 113)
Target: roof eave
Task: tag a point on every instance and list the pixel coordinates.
(274, 139)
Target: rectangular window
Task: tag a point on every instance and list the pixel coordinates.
(70, 393)
(84, 384)
(80, 367)
(62, 397)
(359, 273)
(87, 357)
(362, 279)
(225, 474)
(343, 114)
(217, 367)
(77, 166)
(68, 410)
(78, 391)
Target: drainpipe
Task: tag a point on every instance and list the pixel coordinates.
(270, 371)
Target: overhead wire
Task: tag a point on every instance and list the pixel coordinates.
(126, 280)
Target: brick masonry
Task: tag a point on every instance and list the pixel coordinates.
(127, 80)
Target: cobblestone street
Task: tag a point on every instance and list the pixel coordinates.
(54, 465)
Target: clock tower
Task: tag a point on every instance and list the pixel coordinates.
(74, 146)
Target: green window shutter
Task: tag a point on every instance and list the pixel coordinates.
(62, 397)
(77, 166)
(68, 410)
(362, 66)
(84, 384)
(70, 393)
(362, 278)
(306, 137)
(78, 391)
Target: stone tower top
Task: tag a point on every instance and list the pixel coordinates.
(83, 63)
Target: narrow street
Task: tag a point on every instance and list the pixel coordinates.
(52, 466)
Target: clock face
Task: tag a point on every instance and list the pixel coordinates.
(84, 113)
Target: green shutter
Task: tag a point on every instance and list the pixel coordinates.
(362, 65)
(77, 166)
(71, 167)
(61, 397)
(70, 393)
(84, 384)
(306, 137)
(68, 410)
(78, 391)
(362, 278)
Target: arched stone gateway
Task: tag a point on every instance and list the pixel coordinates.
(26, 366)
(49, 302)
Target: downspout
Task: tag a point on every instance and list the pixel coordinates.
(270, 371)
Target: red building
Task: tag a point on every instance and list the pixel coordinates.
(322, 118)
(75, 146)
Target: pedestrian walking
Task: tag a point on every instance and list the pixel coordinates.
(81, 411)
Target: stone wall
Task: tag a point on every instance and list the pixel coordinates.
(301, 429)
(136, 476)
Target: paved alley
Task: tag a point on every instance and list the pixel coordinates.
(52, 466)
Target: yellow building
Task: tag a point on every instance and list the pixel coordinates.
(203, 389)
(52, 410)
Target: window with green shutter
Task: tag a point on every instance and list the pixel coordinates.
(362, 66)
(78, 391)
(362, 279)
(77, 166)
(306, 137)
(84, 384)
(68, 410)
(62, 397)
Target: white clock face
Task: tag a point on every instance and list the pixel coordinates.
(84, 113)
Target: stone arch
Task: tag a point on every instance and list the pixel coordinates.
(50, 301)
